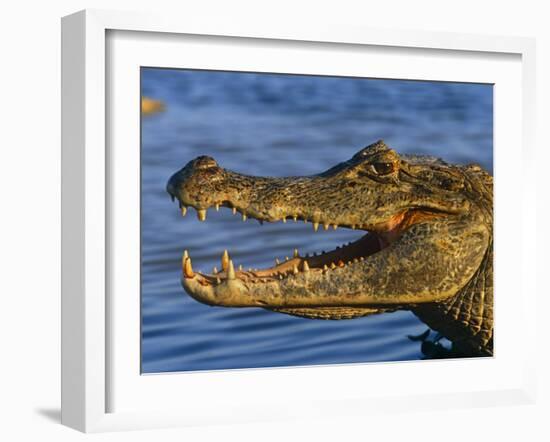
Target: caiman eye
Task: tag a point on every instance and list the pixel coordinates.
(383, 168)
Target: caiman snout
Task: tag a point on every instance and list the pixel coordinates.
(193, 185)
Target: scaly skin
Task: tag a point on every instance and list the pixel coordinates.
(428, 247)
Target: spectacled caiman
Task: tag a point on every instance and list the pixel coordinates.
(428, 246)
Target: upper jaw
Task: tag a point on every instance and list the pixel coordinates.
(264, 199)
(202, 184)
(234, 286)
(320, 200)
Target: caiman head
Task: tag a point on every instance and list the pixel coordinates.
(427, 224)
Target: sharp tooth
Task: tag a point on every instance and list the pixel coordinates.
(184, 257)
(250, 269)
(231, 271)
(284, 219)
(296, 253)
(217, 207)
(341, 263)
(280, 276)
(234, 210)
(240, 267)
(305, 266)
(349, 263)
(316, 226)
(188, 269)
(215, 270)
(332, 265)
(326, 226)
(295, 269)
(183, 210)
(244, 216)
(325, 268)
(353, 226)
(295, 218)
(335, 226)
(362, 258)
(355, 260)
(225, 260)
(277, 262)
(218, 280)
(286, 258)
(201, 214)
(305, 220)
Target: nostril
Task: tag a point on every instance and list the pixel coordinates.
(205, 162)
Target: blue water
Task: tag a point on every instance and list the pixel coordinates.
(278, 125)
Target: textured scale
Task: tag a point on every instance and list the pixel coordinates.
(467, 318)
(331, 312)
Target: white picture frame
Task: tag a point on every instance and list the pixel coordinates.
(88, 321)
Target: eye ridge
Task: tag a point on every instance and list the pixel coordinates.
(383, 168)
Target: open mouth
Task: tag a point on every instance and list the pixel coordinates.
(376, 239)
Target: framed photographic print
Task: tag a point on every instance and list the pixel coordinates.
(264, 222)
